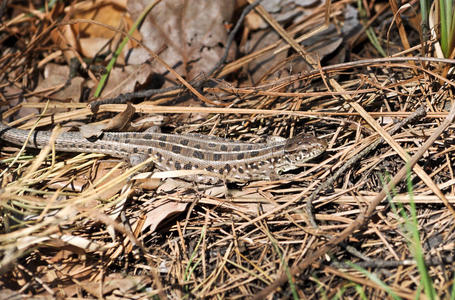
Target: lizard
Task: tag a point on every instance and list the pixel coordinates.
(234, 160)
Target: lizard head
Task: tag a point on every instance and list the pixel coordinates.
(300, 149)
(304, 143)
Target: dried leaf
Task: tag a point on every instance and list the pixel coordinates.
(121, 120)
(126, 79)
(88, 38)
(117, 123)
(192, 32)
(161, 212)
(92, 130)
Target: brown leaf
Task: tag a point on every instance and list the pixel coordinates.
(147, 122)
(117, 123)
(88, 38)
(55, 84)
(161, 212)
(121, 120)
(92, 130)
(125, 79)
(192, 33)
(125, 284)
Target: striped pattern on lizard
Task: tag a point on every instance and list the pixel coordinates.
(234, 160)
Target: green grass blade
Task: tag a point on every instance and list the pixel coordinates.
(360, 292)
(284, 264)
(376, 280)
(190, 267)
(416, 246)
(452, 294)
(119, 50)
(370, 32)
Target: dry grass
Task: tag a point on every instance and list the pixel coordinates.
(78, 226)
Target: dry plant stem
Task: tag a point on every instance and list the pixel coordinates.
(399, 22)
(418, 114)
(362, 218)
